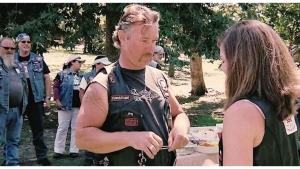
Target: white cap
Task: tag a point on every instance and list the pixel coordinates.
(74, 57)
(104, 60)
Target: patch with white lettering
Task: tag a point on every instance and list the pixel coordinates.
(120, 98)
(163, 86)
(290, 125)
(131, 121)
(111, 78)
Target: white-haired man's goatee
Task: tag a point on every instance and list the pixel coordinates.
(8, 60)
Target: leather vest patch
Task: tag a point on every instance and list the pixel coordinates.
(290, 125)
(111, 78)
(131, 121)
(120, 98)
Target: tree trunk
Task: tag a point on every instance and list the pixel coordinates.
(85, 46)
(171, 71)
(112, 19)
(197, 79)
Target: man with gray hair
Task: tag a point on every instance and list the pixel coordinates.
(157, 57)
(38, 79)
(13, 101)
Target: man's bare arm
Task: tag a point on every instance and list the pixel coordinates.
(47, 89)
(92, 115)
(181, 125)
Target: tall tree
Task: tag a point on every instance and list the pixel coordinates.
(40, 22)
(285, 19)
(113, 13)
(191, 29)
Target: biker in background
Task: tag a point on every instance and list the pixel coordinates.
(66, 96)
(157, 57)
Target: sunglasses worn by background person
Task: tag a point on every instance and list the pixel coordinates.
(7, 48)
(25, 42)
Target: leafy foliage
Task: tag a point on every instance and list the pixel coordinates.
(285, 19)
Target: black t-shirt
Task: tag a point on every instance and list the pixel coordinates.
(45, 71)
(15, 89)
(158, 66)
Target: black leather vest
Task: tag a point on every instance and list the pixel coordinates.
(129, 113)
(277, 148)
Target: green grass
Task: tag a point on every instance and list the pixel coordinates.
(202, 113)
(206, 120)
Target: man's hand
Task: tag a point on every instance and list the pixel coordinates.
(47, 101)
(177, 139)
(148, 142)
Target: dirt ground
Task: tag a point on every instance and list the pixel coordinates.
(214, 80)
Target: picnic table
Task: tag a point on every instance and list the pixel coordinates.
(196, 159)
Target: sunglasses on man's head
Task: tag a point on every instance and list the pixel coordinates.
(25, 42)
(78, 61)
(7, 48)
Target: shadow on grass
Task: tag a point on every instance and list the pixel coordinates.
(183, 100)
(205, 120)
(203, 113)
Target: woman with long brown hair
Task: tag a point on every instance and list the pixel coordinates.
(261, 85)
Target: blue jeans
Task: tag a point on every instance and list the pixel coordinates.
(11, 123)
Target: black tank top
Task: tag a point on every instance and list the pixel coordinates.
(277, 148)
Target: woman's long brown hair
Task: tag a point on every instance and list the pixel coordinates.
(259, 63)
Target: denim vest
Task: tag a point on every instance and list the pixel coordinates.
(89, 76)
(36, 75)
(4, 87)
(66, 88)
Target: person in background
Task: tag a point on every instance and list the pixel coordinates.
(66, 96)
(126, 108)
(157, 57)
(38, 80)
(259, 125)
(99, 62)
(13, 101)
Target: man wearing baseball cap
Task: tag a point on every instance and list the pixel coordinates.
(99, 62)
(38, 79)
